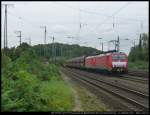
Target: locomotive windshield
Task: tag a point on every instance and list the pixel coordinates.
(118, 57)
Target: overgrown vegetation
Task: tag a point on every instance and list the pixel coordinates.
(63, 51)
(30, 85)
(139, 55)
(142, 65)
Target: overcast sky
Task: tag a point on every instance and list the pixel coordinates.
(85, 21)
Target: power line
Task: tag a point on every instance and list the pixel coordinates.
(99, 25)
(107, 17)
(96, 13)
(26, 21)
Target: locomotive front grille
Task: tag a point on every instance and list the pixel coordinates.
(119, 64)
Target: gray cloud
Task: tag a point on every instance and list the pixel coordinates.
(63, 19)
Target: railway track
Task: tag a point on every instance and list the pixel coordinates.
(138, 73)
(135, 83)
(133, 97)
(139, 84)
(112, 84)
(135, 79)
(143, 80)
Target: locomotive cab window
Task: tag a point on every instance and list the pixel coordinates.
(115, 57)
(118, 57)
(122, 57)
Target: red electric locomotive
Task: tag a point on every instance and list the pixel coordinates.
(110, 61)
(113, 61)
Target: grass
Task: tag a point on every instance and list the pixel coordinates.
(138, 65)
(90, 102)
(57, 95)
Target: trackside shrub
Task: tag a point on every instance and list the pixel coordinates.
(30, 85)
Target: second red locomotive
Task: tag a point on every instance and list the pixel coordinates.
(113, 61)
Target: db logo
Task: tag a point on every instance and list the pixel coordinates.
(93, 62)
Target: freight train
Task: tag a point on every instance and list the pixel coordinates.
(109, 61)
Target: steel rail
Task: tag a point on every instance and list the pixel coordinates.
(123, 88)
(112, 92)
(136, 79)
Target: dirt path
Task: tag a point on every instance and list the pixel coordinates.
(77, 101)
(84, 100)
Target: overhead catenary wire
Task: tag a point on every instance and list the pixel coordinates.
(107, 18)
(82, 10)
(35, 26)
(96, 13)
(26, 21)
(80, 24)
(112, 16)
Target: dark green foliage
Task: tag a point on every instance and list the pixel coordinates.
(5, 61)
(142, 65)
(14, 53)
(63, 51)
(28, 84)
(58, 53)
(140, 53)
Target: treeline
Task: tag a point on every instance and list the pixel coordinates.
(140, 52)
(64, 50)
(54, 53)
(30, 85)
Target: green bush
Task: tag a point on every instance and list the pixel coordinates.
(138, 65)
(56, 95)
(30, 85)
(20, 93)
(140, 52)
(5, 62)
